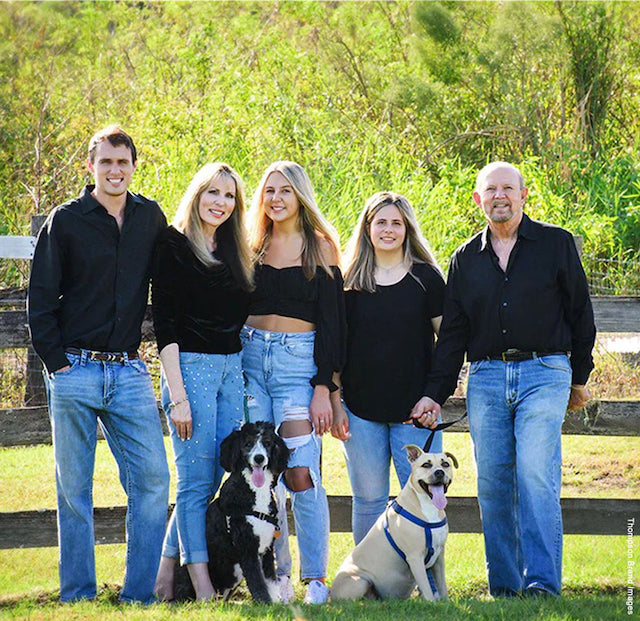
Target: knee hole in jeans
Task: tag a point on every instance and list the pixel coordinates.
(298, 479)
(296, 430)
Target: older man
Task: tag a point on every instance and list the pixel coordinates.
(87, 298)
(517, 303)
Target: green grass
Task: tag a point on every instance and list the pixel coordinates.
(569, 608)
(594, 567)
(594, 575)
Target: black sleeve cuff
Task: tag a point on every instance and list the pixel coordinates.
(318, 380)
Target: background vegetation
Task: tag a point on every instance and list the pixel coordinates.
(412, 96)
(409, 96)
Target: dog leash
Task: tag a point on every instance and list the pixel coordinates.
(438, 427)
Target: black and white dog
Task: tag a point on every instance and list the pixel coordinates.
(242, 521)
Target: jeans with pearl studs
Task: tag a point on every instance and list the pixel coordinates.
(214, 387)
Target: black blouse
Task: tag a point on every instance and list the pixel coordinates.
(288, 293)
(200, 308)
(390, 342)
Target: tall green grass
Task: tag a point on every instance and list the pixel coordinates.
(249, 83)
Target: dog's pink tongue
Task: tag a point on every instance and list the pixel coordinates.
(257, 476)
(438, 497)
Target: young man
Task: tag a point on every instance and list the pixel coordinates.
(518, 304)
(87, 298)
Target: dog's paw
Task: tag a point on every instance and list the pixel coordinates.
(285, 592)
(273, 588)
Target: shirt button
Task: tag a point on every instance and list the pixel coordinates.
(506, 279)
(504, 304)
(504, 332)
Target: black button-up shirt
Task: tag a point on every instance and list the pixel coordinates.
(541, 303)
(89, 280)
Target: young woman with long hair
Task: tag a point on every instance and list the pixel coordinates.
(394, 296)
(202, 277)
(293, 345)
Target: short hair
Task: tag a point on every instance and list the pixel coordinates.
(116, 136)
(359, 274)
(492, 166)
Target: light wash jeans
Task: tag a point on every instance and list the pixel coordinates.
(214, 385)
(368, 454)
(120, 398)
(278, 367)
(516, 411)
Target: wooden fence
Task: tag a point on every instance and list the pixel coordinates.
(30, 425)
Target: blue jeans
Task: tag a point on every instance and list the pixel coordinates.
(278, 367)
(368, 454)
(214, 385)
(120, 398)
(516, 411)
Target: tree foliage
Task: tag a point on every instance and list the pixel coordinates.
(412, 97)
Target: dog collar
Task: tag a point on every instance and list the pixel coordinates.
(266, 517)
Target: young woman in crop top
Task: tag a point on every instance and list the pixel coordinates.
(202, 277)
(293, 344)
(394, 296)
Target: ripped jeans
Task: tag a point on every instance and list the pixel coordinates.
(278, 367)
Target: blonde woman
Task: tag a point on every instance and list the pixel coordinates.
(394, 297)
(201, 282)
(293, 344)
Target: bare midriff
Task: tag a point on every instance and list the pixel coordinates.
(278, 323)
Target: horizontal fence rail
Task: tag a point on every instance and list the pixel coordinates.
(30, 426)
(37, 529)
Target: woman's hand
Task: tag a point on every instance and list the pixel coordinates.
(181, 419)
(426, 412)
(340, 427)
(320, 410)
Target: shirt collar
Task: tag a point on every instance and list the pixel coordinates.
(525, 229)
(88, 202)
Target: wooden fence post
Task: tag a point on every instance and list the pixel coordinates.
(34, 392)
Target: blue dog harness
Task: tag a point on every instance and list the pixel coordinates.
(426, 526)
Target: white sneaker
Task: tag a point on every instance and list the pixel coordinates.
(317, 593)
(286, 590)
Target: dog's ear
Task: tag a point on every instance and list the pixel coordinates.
(279, 454)
(230, 451)
(453, 459)
(413, 452)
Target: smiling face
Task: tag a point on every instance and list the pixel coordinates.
(279, 200)
(217, 203)
(431, 473)
(387, 230)
(112, 169)
(500, 194)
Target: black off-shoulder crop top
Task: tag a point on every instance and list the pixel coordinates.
(287, 292)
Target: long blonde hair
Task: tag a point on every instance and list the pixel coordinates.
(360, 272)
(231, 236)
(313, 225)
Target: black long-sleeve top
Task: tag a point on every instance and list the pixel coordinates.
(287, 292)
(541, 303)
(201, 308)
(390, 341)
(89, 280)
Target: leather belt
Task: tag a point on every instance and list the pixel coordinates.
(103, 356)
(515, 355)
